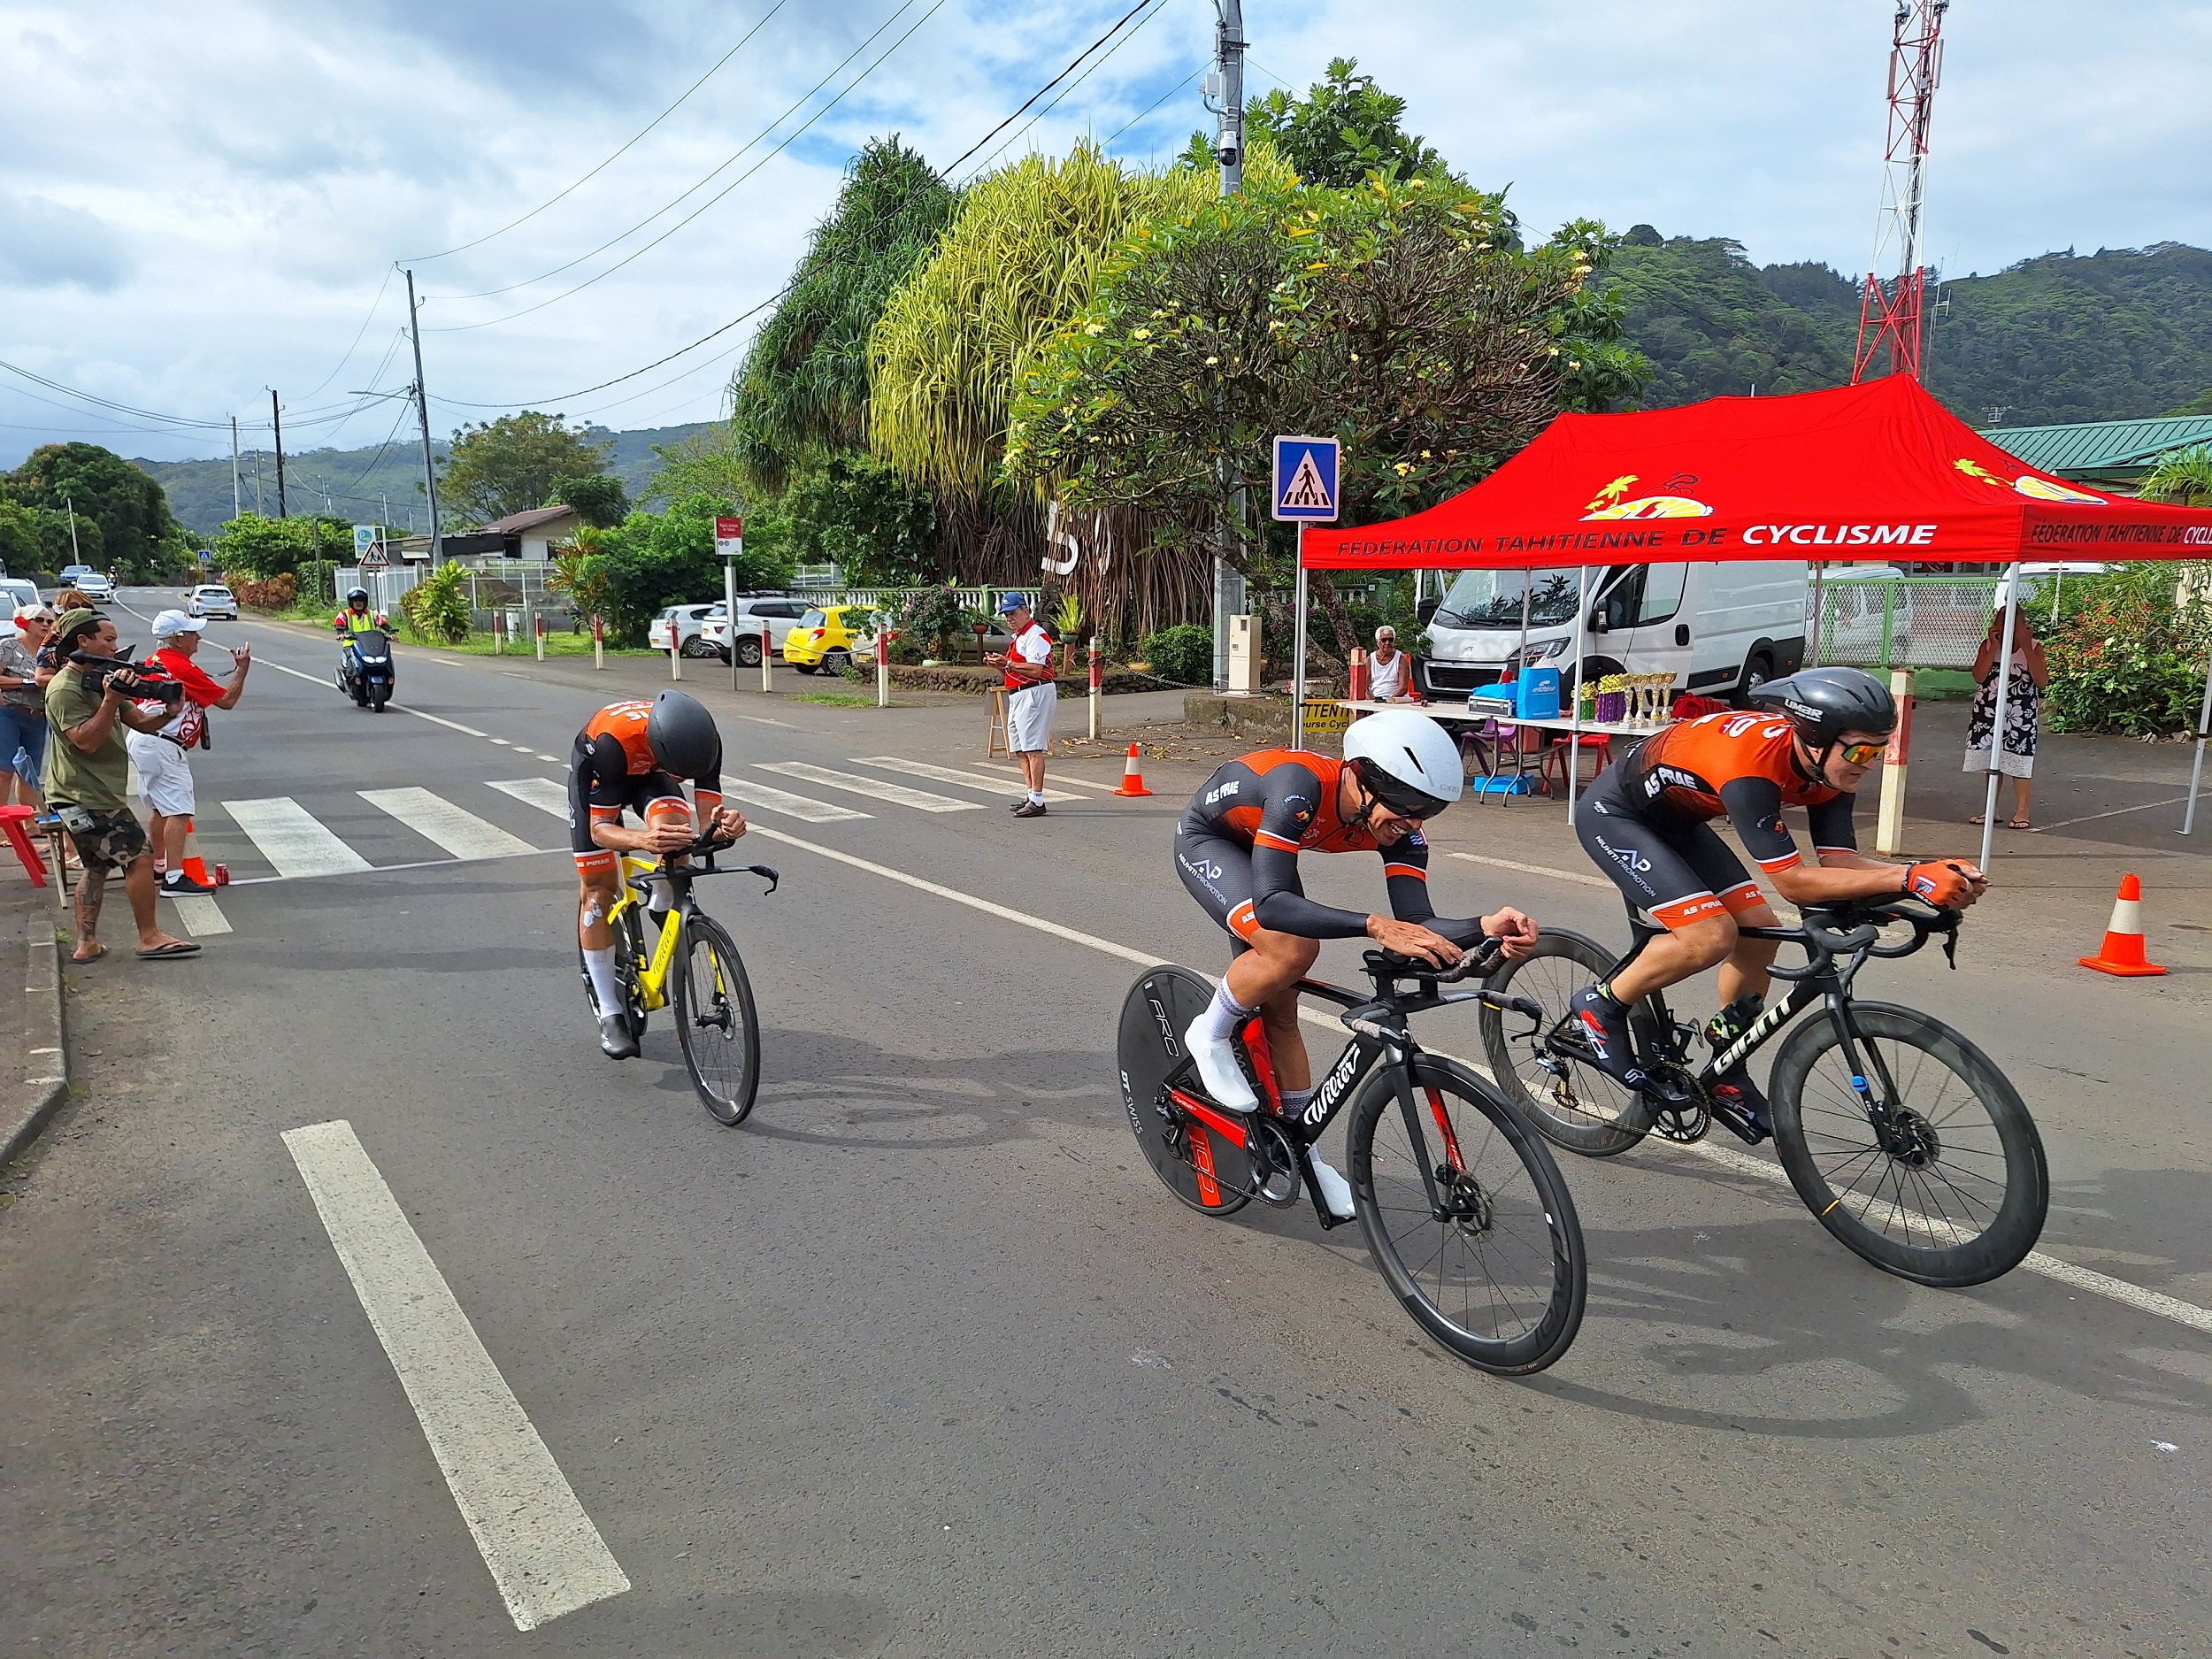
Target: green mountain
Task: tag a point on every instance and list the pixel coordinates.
(363, 485)
(2112, 335)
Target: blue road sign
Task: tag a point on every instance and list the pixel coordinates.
(1305, 479)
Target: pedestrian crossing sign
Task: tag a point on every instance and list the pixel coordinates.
(1305, 479)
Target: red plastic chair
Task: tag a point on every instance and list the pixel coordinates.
(15, 825)
(1553, 761)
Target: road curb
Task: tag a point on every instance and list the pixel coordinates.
(27, 1107)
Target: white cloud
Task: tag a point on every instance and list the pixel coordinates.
(214, 194)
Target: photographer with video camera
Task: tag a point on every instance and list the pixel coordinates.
(90, 703)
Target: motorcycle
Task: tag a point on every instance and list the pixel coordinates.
(365, 668)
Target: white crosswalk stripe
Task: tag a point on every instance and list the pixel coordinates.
(998, 786)
(798, 806)
(292, 840)
(201, 914)
(460, 832)
(874, 789)
(541, 793)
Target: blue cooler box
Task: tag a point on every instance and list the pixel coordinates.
(1536, 694)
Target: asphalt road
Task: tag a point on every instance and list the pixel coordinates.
(923, 1361)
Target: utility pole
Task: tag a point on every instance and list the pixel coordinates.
(1224, 93)
(75, 557)
(276, 419)
(257, 481)
(235, 507)
(422, 410)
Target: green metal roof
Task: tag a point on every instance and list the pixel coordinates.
(2114, 449)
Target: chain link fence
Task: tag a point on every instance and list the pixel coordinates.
(1885, 622)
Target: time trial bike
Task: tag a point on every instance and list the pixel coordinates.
(1904, 1138)
(1463, 1207)
(694, 964)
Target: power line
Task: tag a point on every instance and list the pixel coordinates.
(611, 160)
(702, 184)
(1047, 87)
(358, 333)
(1030, 124)
(1156, 104)
(452, 403)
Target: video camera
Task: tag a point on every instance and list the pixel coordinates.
(136, 681)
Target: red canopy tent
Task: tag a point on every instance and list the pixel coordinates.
(1877, 471)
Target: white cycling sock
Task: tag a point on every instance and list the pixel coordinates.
(600, 965)
(1036, 797)
(664, 895)
(1223, 1015)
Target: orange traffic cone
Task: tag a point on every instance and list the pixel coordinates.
(1132, 781)
(194, 866)
(2123, 949)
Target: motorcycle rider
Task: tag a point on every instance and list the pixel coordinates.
(357, 618)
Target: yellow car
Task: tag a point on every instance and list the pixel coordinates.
(827, 638)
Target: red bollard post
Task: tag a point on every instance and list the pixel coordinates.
(599, 642)
(883, 668)
(537, 618)
(1098, 684)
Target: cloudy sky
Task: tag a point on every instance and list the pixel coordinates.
(198, 203)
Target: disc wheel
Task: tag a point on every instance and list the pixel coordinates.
(1571, 1102)
(1956, 1193)
(1199, 1167)
(716, 1022)
(1500, 1276)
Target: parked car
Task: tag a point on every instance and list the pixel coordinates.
(211, 599)
(828, 638)
(684, 622)
(70, 572)
(1719, 628)
(17, 592)
(94, 584)
(781, 615)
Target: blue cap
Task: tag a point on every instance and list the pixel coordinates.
(1009, 603)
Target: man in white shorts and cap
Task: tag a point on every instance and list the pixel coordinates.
(1031, 697)
(164, 773)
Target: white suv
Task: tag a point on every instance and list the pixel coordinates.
(677, 628)
(781, 615)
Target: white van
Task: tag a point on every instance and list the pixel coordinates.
(1719, 628)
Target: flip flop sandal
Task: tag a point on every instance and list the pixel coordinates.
(2018, 824)
(174, 948)
(1978, 818)
(86, 961)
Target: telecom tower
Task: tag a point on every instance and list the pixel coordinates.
(1890, 315)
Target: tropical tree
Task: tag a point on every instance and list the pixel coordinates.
(1343, 129)
(512, 465)
(136, 532)
(258, 547)
(600, 501)
(1387, 314)
(853, 511)
(2184, 478)
(802, 394)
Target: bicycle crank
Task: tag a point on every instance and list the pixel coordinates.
(1683, 1113)
(1276, 1179)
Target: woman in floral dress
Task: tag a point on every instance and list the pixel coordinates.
(2028, 674)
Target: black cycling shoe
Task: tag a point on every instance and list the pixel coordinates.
(615, 1041)
(1737, 1092)
(1602, 1025)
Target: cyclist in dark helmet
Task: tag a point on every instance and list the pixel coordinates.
(1647, 823)
(637, 756)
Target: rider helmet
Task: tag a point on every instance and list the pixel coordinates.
(683, 737)
(1407, 761)
(361, 594)
(1823, 703)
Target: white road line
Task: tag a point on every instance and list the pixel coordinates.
(292, 840)
(798, 806)
(201, 915)
(2119, 1290)
(2116, 812)
(966, 780)
(1580, 878)
(541, 793)
(1014, 779)
(462, 834)
(545, 1555)
(325, 681)
(874, 789)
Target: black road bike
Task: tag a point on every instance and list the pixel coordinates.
(1463, 1208)
(1902, 1136)
(693, 963)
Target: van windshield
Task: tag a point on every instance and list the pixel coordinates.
(1491, 599)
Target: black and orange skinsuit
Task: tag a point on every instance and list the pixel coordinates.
(611, 767)
(1237, 848)
(1647, 819)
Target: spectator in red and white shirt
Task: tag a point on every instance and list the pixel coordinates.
(164, 775)
(1031, 697)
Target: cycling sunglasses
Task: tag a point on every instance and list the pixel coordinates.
(1861, 754)
(1401, 803)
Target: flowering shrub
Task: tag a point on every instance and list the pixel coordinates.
(2126, 655)
(277, 592)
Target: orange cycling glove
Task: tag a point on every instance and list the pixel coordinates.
(1944, 886)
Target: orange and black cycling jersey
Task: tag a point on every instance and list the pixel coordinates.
(1742, 765)
(1280, 803)
(613, 748)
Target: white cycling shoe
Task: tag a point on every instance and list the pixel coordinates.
(1219, 1071)
(1335, 1190)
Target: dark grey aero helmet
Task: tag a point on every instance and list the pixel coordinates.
(683, 737)
(1823, 703)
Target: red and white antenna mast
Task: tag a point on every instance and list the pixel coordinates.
(1890, 313)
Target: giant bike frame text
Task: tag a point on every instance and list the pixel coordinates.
(1382, 1035)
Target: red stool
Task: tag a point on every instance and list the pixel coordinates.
(14, 823)
(1556, 760)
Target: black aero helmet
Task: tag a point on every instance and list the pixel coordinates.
(352, 594)
(1823, 703)
(683, 737)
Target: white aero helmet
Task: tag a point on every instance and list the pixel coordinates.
(1407, 760)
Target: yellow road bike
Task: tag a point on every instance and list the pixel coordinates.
(693, 966)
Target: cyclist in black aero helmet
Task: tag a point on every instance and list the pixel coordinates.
(1646, 824)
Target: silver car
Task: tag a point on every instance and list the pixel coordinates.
(211, 599)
